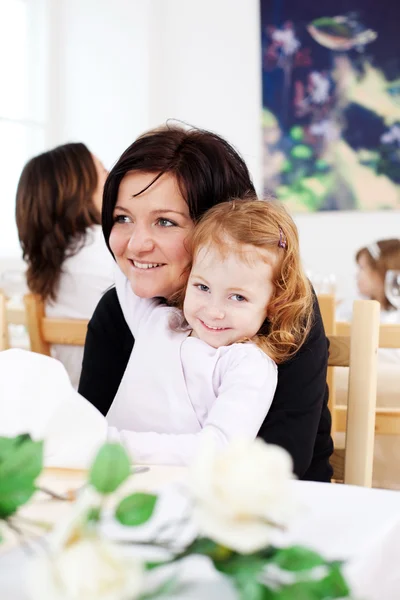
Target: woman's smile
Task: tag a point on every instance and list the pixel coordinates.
(145, 266)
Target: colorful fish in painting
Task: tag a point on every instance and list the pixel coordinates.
(341, 33)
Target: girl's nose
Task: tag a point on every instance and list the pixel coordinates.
(216, 312)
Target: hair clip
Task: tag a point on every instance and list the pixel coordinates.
(282, 240)
(374, 250)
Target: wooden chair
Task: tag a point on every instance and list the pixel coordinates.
(4, 342)
(327, 307)
(358, 351)
(387, 419)
(44, 331)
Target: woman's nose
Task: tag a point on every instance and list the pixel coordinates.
(140, 241)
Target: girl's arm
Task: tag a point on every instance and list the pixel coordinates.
(244, 397)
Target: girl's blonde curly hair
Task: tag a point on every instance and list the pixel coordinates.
(264, 224)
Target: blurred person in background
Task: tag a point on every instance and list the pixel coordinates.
(58, 214)
(373, 262)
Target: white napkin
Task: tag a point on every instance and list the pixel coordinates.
(36, 397)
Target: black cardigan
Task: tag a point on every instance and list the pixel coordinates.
(298, 420)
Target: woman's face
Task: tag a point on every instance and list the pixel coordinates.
(101, 179)
(149, 233)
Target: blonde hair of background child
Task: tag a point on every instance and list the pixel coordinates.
(382, 256)
(264, 224)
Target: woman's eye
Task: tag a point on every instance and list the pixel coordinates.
(238, 298)
(165, 223)
(122, 219)
(202, 287)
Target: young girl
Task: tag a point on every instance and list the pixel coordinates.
(373, 262)
(247, 306)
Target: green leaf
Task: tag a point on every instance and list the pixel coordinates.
(94, 514)
(244, 571)
(11, 500)
(21, 461)
(135, 509)
(207, 547)
(297, 558)
(313, 583)
(110, 469)
(8, 443)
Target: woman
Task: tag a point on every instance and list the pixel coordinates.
(58, 208)
(174, 176)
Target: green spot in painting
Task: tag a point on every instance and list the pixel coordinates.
(286, 166)
(297, 133)
(321, 164)
(301, 151)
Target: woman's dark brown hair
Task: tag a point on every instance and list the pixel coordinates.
(54, 208)
(207, 168)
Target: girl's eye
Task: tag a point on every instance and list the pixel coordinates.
(238, 298)
(122, 219)
(202, 287)
(165, 222)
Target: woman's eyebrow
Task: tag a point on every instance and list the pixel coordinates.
(163, 211)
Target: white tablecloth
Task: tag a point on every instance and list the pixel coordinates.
(342, 522)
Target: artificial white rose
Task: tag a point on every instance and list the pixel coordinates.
(89, 569)
(80, 565)
(242, 493)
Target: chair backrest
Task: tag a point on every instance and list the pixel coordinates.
(327, 307)
(4, 342)
(44, 331)
(358, 351)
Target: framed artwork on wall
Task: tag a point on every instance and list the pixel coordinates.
(331, 103)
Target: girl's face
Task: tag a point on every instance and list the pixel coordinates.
(227, 297)
(368, 281)
(149, 233)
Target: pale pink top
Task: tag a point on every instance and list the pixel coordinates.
(176, 388)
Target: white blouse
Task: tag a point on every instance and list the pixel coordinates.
(85, 277)
(177, 388)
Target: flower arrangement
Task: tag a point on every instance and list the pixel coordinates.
(239, 500)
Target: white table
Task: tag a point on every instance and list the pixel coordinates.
(340, 521)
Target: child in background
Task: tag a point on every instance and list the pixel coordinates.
(207, 361)
(373, 262)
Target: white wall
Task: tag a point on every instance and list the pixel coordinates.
(121, 67)
(100, 73)
(206, 69)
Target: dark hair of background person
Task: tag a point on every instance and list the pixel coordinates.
(54, 208)
(187, 155)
